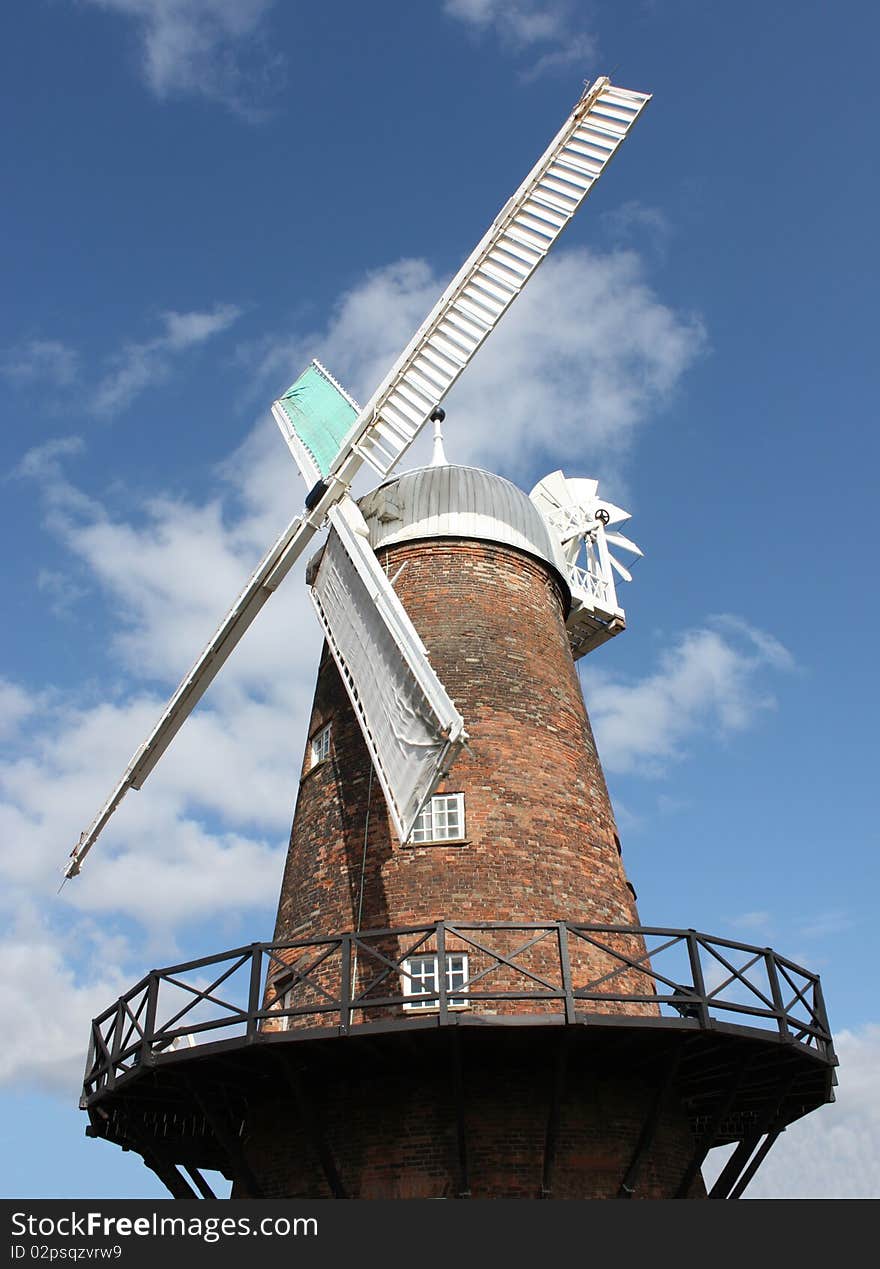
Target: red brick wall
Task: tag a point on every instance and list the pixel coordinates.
(540, 834)
(394, 1134)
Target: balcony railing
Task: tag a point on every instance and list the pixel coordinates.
(336, 985)
(590, 583)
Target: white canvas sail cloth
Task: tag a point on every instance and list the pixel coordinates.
(412, 729)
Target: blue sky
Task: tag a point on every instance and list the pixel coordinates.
(202, 195)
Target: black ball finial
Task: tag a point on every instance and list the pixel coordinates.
(438, 414)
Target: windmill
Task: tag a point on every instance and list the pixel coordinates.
(459, 999)
(331, 437)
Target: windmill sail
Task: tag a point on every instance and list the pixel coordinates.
(412, 729)
(494, 274)
(579, 519)
(315, 411)
(490, 279)
(315, 415)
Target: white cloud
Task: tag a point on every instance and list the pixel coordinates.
(519, 25)
(750, 921)
(578, 48)
(637, 220)
(596, 354)
(826, 923)
(15, 706)
(209, 834)
(710, 681)
(206, 840)
(51, 1002)
(183, 330)
(519, 21)
(835, 1151)
(43, 462)
(210, 48)
(140, 365)
(62, 591)
(516, 22)
(47, 362)
(170, 579)
(172, 571)
(44, 465)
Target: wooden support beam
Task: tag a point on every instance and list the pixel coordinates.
(733, 1166)
(176, 1185)
(464, 1184)
(756, 1162)
(649, 1128)
(314, 1130)
(769, 1122)
(200, 1183)
(704, 1144)
(229, 1143)
(557, 1093)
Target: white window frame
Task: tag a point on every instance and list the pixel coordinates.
(286, 1002)
(420, 976)
(319, 746)
(433, 820)
(284, 985)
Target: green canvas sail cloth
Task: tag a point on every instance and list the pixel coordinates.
(315, 414)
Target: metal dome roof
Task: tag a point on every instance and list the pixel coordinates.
(458, 502)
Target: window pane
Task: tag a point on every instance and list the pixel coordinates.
(456, 974)
(420, 977)
(321, 745)
(441, 820)
(422, 830)
(422, 972)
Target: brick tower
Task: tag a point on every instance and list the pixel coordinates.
(476, 1012)
(519, 835)
(459, 999)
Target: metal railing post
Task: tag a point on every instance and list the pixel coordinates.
(820, 1016)
(776, 993)
(345, 986)
(146, 1054)
(565, 969)
(117, 1041)
(441, 973)
(696, 964)
(91, 1077)
(254, 993)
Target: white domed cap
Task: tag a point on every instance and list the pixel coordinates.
(459, 502)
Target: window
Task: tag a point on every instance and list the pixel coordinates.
(287, 990)
(421, 975)
(287, 1001)
(321, 745)
(440, 820)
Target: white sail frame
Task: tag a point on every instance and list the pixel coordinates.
(492, 276)
(410, 725)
